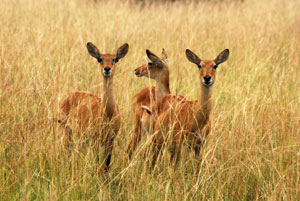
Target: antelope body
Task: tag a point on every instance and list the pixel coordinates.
(181, 120)
(89, 110)
(158, 70)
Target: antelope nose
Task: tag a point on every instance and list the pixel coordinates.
(207, 78)
(137, 73)
(107, 69)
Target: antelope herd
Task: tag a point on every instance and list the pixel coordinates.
(171, 120)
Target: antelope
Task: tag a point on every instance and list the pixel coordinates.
(158, 70)
(89, 110)
(183, 119)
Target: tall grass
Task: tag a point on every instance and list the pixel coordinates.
(253, 151)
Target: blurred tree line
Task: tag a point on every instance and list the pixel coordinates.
(167, 1)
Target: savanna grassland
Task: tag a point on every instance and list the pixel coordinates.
(253, 151)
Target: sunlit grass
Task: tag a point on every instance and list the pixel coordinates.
(253, 150)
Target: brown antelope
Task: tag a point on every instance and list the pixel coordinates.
(89, 110)
(158, 70)
(183, 119)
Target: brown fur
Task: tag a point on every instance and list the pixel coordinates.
(185, 120)
(158, 70)
(145, 97)
(90, 111)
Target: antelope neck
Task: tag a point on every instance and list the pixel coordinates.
(108, 97)
(162, 87)
(205, 102)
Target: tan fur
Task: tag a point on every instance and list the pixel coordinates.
(90, 111)
(148, 96)
(179, 120)
(145, 97)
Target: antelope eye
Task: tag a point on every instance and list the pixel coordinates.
(199, 66)
(215, 66)
(114, 60)
(99, 60)
(150, 63)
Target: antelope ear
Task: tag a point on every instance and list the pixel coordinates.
(93, 51)
(223, 56)
(148, 110)
(155, 59)
(164, 55)
(122, 51)
(192, 57)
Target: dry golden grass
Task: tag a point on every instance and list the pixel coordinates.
(253, 152)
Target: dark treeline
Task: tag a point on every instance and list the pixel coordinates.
(171, 1)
